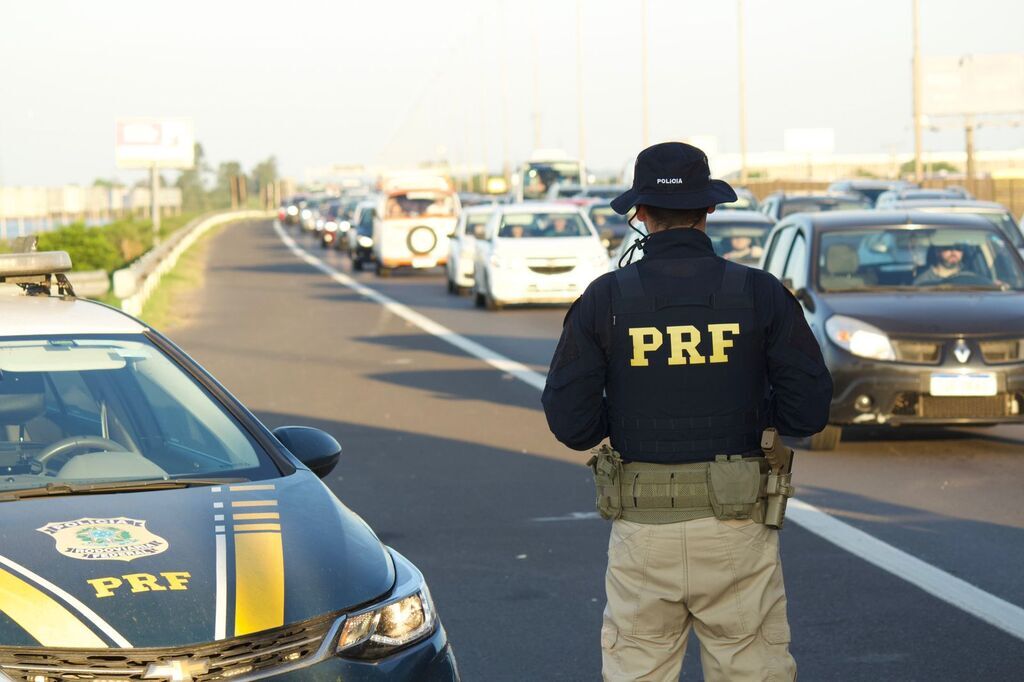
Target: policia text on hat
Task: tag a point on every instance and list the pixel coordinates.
(684, 359)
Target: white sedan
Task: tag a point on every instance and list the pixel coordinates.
(462, 247)
(536, 253)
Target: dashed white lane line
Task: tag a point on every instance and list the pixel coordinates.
(936, 582)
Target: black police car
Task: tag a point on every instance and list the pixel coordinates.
(918, 315)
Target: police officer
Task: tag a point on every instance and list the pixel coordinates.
(683, 359)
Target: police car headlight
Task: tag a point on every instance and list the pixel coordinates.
(383, 629)
(365, 242)
(859, 338)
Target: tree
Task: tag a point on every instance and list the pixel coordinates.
(227, 171)
(190, 182)
(263, 174)
(930, 168)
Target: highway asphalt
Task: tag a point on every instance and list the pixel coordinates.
(451, 462)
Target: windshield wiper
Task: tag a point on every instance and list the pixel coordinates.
(55, 489)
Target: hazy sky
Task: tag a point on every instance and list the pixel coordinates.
(396, 81)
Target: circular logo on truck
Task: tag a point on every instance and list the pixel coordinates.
(109, 539)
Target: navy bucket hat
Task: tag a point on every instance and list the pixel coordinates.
(673, 175)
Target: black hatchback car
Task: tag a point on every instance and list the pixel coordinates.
(919, 315)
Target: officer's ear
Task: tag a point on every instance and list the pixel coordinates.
(641, 213)
(711, 209)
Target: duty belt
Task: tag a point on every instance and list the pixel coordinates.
(667, 493)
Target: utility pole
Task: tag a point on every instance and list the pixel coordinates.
(741, 41)
(581, 123)
(536, 75)
(918, 174)
(643, 75)
(505, 163)
(154, 202)
(969, 128)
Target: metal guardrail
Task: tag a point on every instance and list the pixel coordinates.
(135, 283)
(90, 283)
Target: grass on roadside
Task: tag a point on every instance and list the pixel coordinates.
(167, 304)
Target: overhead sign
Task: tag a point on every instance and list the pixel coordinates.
(809, 140)
(160, 142)
(972, 84)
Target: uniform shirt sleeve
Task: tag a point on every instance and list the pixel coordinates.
(800, 383)
(573, 398)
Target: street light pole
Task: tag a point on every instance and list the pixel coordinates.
(643, 75)
(918, 174)
(741, 41)
(581, 122)
(536, 75)
(154, 202)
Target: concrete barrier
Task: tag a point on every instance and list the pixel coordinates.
(90, 283)
(136, 283)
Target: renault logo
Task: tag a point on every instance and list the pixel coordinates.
(177, 670)
(961, 351)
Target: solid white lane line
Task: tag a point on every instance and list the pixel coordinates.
(959, 593)
(74, 603)
(983, 605)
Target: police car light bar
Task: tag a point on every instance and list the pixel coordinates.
(34, 264)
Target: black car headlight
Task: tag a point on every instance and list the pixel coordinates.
(388, 627)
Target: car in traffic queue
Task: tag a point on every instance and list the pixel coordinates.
(918, 315)
(151, 528)
(536, 253)
(333, 227)
(735, 234)
(745, 201)
(889, 199)
(546, 169)
(610, 226)
(993, 212)
(292, 209)
(782, 204)
(462, 247)
(414, 218)
(868, 188)
(360, 237)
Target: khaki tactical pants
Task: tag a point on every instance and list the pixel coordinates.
(723, 578)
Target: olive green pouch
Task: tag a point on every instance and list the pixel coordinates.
(607, 467)
(733, 485)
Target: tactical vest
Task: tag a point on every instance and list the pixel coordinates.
(686, 376)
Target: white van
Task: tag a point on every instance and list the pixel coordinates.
(415, 217)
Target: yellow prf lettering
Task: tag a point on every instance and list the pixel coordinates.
(177, 580)
(718, 341)
(684, 339)
(143, 582)
(641, 346)
(105, 586)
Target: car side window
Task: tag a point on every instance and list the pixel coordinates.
(796, 264)
(779, 250)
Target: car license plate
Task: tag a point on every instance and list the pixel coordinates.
(424, 262)
(979, 383)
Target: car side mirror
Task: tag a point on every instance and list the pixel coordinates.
(318, 450)
(805, 298)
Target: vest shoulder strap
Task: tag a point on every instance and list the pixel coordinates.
(734, 280)
(628, 279)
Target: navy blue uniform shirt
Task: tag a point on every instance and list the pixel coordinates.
(799, 387)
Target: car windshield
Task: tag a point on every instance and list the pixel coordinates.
(742, 203)
(608, 221)
(475, 224)
(1006, 224)
(419, 204)
(738, 241)
(541, 176)
(917, 258)
(523, 225)
(104, 409)
(819, 205)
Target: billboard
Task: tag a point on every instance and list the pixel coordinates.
(160, 142)
(972, 84)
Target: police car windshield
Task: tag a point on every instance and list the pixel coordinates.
(917, 258)
(90, 410)
(542, 225)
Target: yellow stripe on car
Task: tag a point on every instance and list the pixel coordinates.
(259, 582)
(255, 516)
(254, 503)
(43, 617)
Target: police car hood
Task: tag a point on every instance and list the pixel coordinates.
(175, 567)
(935, 313)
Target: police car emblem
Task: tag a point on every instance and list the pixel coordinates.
(110, 539)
